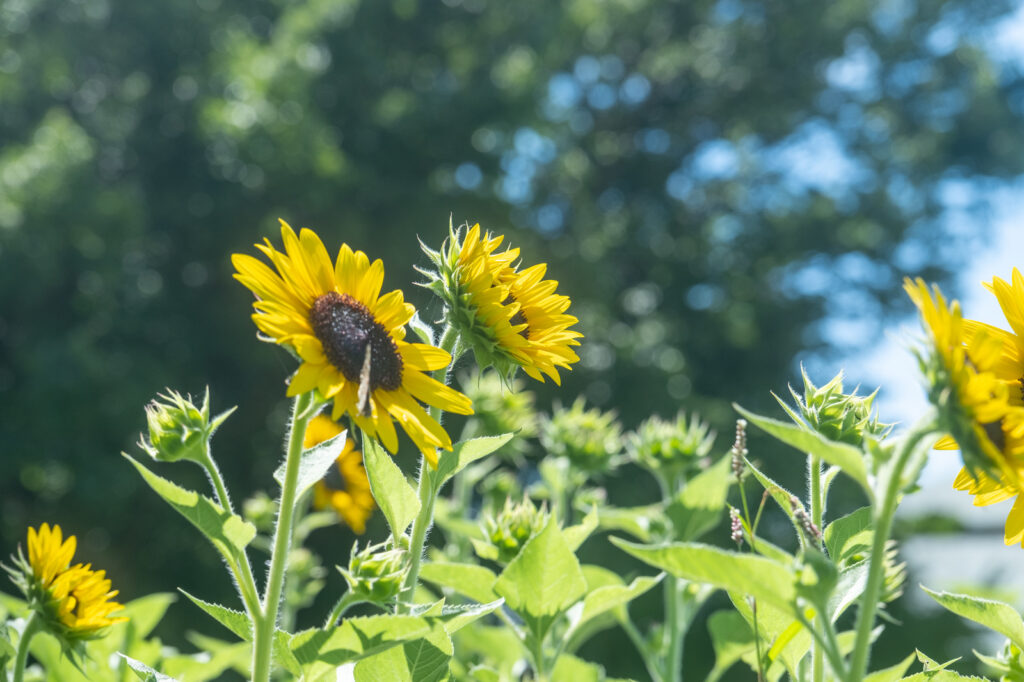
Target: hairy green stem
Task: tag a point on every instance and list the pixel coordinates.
(263, 632)
(817, 505)
(347, 601)
(428, 486)
(645, 653)
(240, 566)
(883, 511)
(673, 631)
(32, 626)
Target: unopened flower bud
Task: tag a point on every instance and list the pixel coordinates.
(739, 449)
(513, 526)
(836, 415)
(736, 526)
(589, 439)
(178, 429)
(804, 519)
(661, 445)
(376, 573)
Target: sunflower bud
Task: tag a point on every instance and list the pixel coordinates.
(661, 445)
(514, 525)
(838, 416)
(377, 572)
(589, 439)
(178, 429)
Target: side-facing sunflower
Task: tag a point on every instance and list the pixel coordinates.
(1008, 369)
(350, 338)
(74, 602)
(353, 502)
(967, 370)
(509, 317)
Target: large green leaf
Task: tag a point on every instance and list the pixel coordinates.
(846, 457)
(572, 669)
(577, 535)
(321, 651)
(637, 521)
(993, 614)
(698, 508)
(227, 531)
(315, 463)
(544, 579)
(458, 616)
(236, 621)
(420, 660)
(470, 580)
(762, 578)
(144, 672)
(392, 492)
(893, 673)
(466, 452)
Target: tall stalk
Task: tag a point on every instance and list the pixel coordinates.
(266, 621)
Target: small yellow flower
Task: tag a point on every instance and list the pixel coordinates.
(509, 317)
(354, 503)
(350, 339)
(74, 601)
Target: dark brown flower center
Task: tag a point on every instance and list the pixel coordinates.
(345, 327)
(518, 318)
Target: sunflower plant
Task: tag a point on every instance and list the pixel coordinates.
(472, 566)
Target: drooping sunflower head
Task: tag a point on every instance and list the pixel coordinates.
(74, 602)
(349, 497)
(510, 318)
(974, 406)
(350, 339)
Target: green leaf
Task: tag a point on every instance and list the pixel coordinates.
(782, 497)
(993, 614)
(698, 508)
(846, 457)
(544, 579)
(466, 452)
(460, 615)
(607, 598)
(850, 537)
(469, 580)
(315, 463)
(143, 614)
(393, 494)
(422, 330)
(320, 651)
(731, 639)
(577, 535)
(236, 621)
(637, 521)
(144, 672)
(572, 669)
(937, 672)
(762, 578)
(227, 531)
(420, 660)
(892, 673)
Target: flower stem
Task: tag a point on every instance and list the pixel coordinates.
(674, 645)
(347, 601)
(883, 512)
(240, 565)
(32, 626)
(817, 505)
(265, 623)
(428, 485)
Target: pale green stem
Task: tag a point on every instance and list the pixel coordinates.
(240, 567)
(829, 645)
(32, 626)
(644, 651)
(347, 601)
(884, 510)
(265, 624)
(673, 629)
(817, 505)
(427, 486)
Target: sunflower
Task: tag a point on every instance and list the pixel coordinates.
(350, 339)
(353, 504)
(510, 318)
(74, 601)
(1001, 353)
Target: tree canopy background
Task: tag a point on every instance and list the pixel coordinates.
(709, 181)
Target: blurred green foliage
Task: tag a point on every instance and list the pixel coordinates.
(708, 180)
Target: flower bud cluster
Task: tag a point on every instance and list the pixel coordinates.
(838, 416)
(739, 449)
(514, 525)
(804, 519)
(735, 526)
(659, 444)
(377, 572)
(589, 439)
